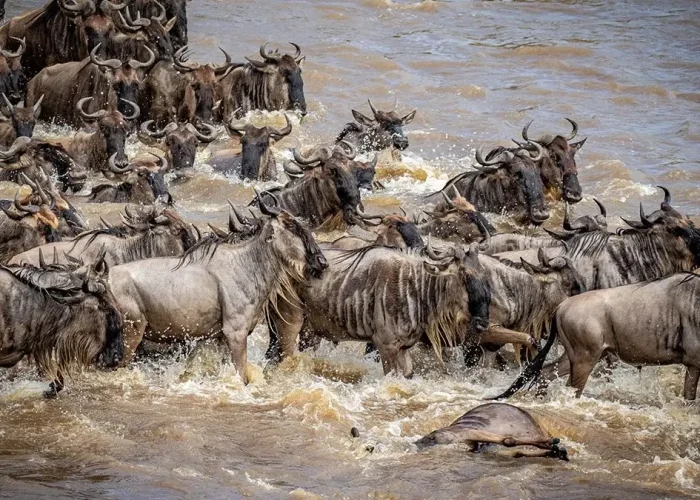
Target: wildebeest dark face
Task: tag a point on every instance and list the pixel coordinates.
(558, 273)
(13, 82)
(347, 191)
(385, 131)
(182, 146)
(203, 84)
(296, 89)
(125, 85)
(530, 186)
(397, 231)
(113, 128)
(300, 245)
(24, 119)
(97, 30)
(178, 34)
(256, 149)
(364, 173)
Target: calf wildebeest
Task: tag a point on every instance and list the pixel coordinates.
(142, 184)
(256, 161)
(104, 82)
(382, 132)
(274, 83)
(21, 121)
(393, 298)
(558, 165)
(13, 80)
(93, 150)
(180, 141)
(652, 323)
(498, 423)
(61, 318)
(191, 297)
(328, 190)
(510, 182)
(158, 234)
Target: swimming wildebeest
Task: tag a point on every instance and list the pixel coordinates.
(393, 298)
(392, 230)
(498, 423)
(256, 161)
(20, 122)
(189, 297)
(180, 141)
(509, 182)
(153, 234)
(272, 84)
(382, 132)
(652, 323)
(457, 221)
(61, 318)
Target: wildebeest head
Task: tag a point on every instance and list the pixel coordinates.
(394, 230)
(144, 180)
(384, 131)
(365, 172)
(13, 81)
(458, 221)
(519, 168)
(202, 85)
(98, 27)
(23, 119)
(583, 224)
(558, 274)
(166, 224)
(153, 32)
(112, 126)
(181, 140)
(558, 165)
(70, 220)
(286, 84)
(257, 161)
(294, 243)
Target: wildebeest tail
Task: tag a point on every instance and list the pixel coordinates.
(532, 371)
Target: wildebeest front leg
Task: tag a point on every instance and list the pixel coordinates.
(235, 329)
(389, 355)
(690, 388)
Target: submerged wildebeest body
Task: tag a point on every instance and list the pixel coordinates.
(392, 298)
(189, 297)
(654, 323)
(162, 235)
(59, 318)
(510, 182)
(21, 121)
(382, 132)
(272, 84)
(497, 423)
(457, 221)
(180, 141)
(142, 183)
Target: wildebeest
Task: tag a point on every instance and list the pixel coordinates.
(180, 141)
(104, 82)
(274, 83)
(392, 230)
(174, 10)
(328, 190)
(498, 423)
(256, 161)
(191, 297)
(70, 220)
(457, 221)
(393, 298)
(651, 323)
(509, 182)
(13, 80)
(21, 121)
(141, 184)
(60, 318)
(382, 132)
(156, 234)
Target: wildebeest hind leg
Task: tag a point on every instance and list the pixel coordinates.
(690, 388)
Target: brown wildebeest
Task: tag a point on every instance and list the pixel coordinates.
(142, 184)
(180, 141)
(13, 80)
(174, 9)
(382, 132)
(21, 121)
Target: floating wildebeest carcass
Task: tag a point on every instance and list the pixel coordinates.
(383, 131)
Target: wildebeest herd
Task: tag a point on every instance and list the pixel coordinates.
(76, 295)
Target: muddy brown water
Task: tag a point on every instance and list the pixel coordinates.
(184, 426)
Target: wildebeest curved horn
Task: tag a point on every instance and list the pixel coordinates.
(37, 104)
(525, 129)
(180, 60)
(292, 169)
(242, 218)
(160, 17)
(281, 133)
(19, 146)
(201, 136)
(574, 127)
(297, 53)
(134, 106)
(487, 163)
(106, 6)
(667, 193)
(218, 232)
(128, 212)
(223, 68)
(642, 216)
(89, 116)
(157, 134)
(55, 257)
(268, 56)
(196, 230)
(486, 243)
(73, 260)
(374, 111)
(405, 214)
(126, 24)
(540, 151)
(265, 209)
(322, 154)
(77, 6)
(22, 47)
(26, 180)
(234, 225)
(31, 209)
(161, 159)
(109, 63)
(136, 64)
(105, 223)
(42, 262)
(257, 64)
(347, 149)
(113, 167)
(603, 212)
(448, 200)
(235, 127)
(42, 194)
(520, 144)
(12, 215)
(9, 105)
(632, 223)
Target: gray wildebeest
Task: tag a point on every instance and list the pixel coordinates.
(63, 319)
(382, 132)
(653, 323)
(256, 161)
(274, 83)
(19, 123)
(393, 298)
(190, 297)
(507, 183)
(180, 141)
(392, 230)
(153, 234)
(105, 82)
(498, 423)
(13, 80)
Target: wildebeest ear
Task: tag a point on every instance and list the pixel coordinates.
(529, 268)
(577, 145)
(300, 61)
(408, 118)
(362, 119)
(542, 257)
(170, 24)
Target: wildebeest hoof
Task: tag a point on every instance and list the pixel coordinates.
(369, 448)
(355, 432)
(51, 393)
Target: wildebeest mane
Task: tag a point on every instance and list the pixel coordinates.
(117, 232)
(209, 244)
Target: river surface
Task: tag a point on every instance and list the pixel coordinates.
(184, 426)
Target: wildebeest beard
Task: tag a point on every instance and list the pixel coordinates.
(479, 291)
(113, 352)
